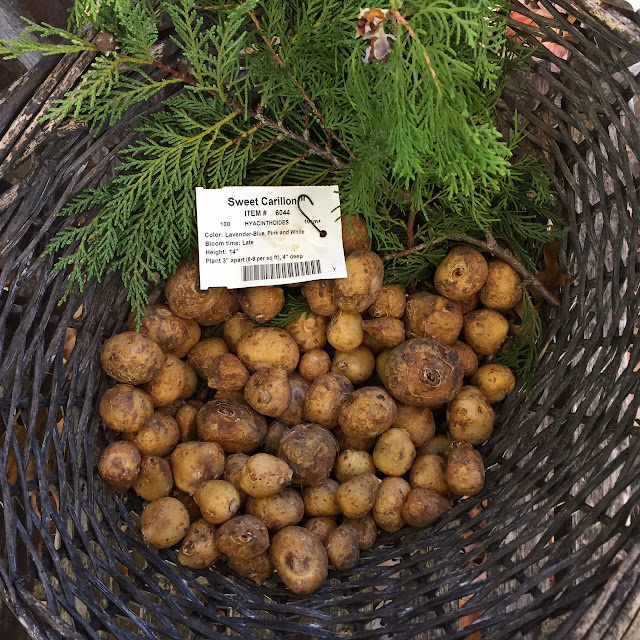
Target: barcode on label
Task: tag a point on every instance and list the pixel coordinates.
(278, 270)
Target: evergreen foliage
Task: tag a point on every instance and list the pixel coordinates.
(522, 355)
(514, 213)
(14, 48)
(277, 93)
(107, 92)
(293, 308)
(193, 141)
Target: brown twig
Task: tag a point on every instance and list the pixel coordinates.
(306, 120)
(400, 18)
(301, 157)
(309, 144)
(267, 144)
(313, 147)
(411, 221)
(307, 98)
(174, 72)
(491, 245)
(244, 134)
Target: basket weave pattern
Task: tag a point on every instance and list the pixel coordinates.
(560, 509)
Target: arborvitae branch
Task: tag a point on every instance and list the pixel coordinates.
(107, 90)
(490, 245)
(258, 115)
(193, 142)
(523, 352)
(400, 18)
(14, 48)
(284, 97)
(305, 95)
(293, 308)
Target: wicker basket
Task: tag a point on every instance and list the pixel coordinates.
(547, 547)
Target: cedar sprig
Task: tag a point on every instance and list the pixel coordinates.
(133, 23)
(522, 354)
(15, 47)
(294, 307)
(176, 152)
(282, 96)
(518, 214)
(110, 87)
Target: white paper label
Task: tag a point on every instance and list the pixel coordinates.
(258, 236)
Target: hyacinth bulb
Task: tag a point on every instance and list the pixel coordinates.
(423, 372)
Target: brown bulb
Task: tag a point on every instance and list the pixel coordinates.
(105, 42)
(423, 373)
(184, 66)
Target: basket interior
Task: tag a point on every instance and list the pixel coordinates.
(559, 510)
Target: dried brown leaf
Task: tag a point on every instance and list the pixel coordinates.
(70, 337)
(552, 275)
